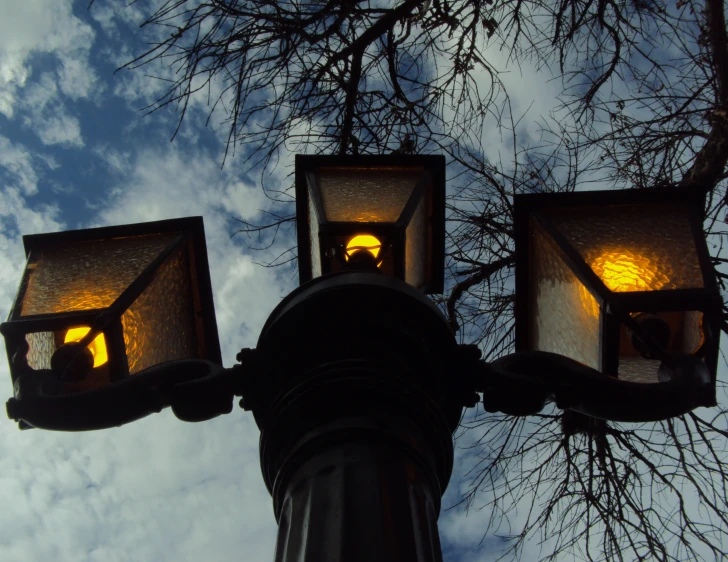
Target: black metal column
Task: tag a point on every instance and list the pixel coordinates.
(359, 499)
(357, 398)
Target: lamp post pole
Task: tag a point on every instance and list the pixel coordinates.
(354, 385)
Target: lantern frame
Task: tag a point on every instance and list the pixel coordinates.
(615, 306)
(389, 233)
(190, 232)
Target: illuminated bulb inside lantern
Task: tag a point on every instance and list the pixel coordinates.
(624, 271)
(363, 242)
(97, 346)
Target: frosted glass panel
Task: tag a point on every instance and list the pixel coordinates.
(634, 247)
(41, 346)
(638, 369)
(87, 275)
(315, 244)
(565, 318)
(693, 335)
(366, 194)
(686, 337)
(158, 326)
(416, 247)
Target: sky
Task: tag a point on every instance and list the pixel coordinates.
(78, 151)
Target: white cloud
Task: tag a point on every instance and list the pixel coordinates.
(75, 79)
(13, 75)
(244, 200)
(61, 129)
(114, 17)
(17, 160)
(158, 490)
(118, 161)
(34, 27)
(47, 115)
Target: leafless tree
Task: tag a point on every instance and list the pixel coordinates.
(644, 105)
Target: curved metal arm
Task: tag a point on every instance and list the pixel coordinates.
(195, 389)
(522, 383)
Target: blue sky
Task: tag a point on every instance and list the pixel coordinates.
(77, 151)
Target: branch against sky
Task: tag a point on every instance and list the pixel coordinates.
(643, 104)
(338, 77)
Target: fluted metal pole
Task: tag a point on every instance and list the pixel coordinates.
(359, 498)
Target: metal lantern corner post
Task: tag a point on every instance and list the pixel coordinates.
(357, 382)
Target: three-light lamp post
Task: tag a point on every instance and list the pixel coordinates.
(357, 382)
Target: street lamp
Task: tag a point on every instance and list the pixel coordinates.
(622, 282)
(388, 210)
(97, 307)
(357, 382)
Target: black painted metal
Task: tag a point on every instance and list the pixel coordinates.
(609, 356)
(706, 262)
(116, 349)
(357, 418)
(532, 201)
(360, 497)
(529, 378)
(40, 323)
(196, 390)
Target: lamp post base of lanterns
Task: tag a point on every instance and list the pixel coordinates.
(357, 485)
(356, 418)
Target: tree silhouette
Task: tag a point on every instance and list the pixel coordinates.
(644, 104)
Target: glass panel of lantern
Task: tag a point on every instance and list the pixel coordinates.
(98, 305)
(595, 268)
(391, 207)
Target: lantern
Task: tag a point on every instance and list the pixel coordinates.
(620, 281)
(98, 306)
(385, 213)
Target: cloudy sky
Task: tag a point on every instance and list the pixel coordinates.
(76, 151)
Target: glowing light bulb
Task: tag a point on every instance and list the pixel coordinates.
(623, 271)
(363, 242)
(97, 346)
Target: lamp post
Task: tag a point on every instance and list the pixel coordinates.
(357, 382)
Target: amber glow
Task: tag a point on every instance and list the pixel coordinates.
(590, 304)
(97, 346)
(623, 271)
(364, 242)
